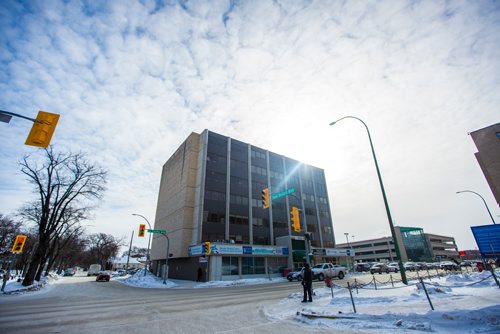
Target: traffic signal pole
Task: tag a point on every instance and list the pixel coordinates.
(6, 276)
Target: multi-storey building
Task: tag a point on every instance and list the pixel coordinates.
(487, 141)
(415, 245)
(211, 191)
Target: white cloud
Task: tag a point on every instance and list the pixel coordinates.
(132, 80)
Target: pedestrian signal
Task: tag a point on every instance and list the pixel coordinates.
(19, 244)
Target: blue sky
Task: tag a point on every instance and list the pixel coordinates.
(132, 79)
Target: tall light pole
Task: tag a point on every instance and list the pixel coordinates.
(393, 231)
(486, 205)
(348, 245)
(347, 238)
(149, 242)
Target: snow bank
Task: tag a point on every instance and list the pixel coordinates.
(466, 303)
(148, 281)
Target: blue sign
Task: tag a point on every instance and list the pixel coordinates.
(247, 249)
(487, 239)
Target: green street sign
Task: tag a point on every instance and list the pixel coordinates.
(283, 193)
(158, 231)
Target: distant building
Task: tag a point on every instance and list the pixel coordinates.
(121, 263)
(415, 245)
(487, 141)
(211, 191)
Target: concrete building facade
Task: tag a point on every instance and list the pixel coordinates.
(211, 191)
(418, 246)
(487, 141)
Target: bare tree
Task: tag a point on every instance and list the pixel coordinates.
(9, 228)
(66, 185)
(103, 247)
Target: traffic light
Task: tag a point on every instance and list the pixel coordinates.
(265, 198)
(142, 230)
(19, 244)
(207, 247)
(43, 129)
(295, 219)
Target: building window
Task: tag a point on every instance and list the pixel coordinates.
(258, 155)
(258, 221)
(229, 265)
(235, 199)
(498, 135)
(215, 196)
(238, 220)
(259, 170)
(253, 265)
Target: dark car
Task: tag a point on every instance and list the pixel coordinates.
(299, 274)
(69, 272)
(103, 276)
(361, 267)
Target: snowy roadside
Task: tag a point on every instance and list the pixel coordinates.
(468, 303)
(152, 281)
(46, 283)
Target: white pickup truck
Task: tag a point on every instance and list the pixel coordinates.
(323, 270)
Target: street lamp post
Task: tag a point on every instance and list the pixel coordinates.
(389, 217)
(486, 205)
(165, 272)
(348, 247)
(148, 264)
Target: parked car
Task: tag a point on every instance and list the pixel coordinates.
(448, 265)
(379, 268)
(467, 263)
(69, 272)
(297, 275)
(323, 270)
(393, 267)
(421, 266)
(121, 272)
(410, 266)
(103, 276)
(361, 267)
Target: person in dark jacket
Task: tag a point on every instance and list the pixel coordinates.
(307, 283)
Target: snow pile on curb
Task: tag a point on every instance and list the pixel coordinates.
(466, 303)
(239, 282)
(15, 287)
(148, 281)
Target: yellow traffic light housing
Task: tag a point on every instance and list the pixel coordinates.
(207, 248)
(295, 219)
(43, 129)
(142, 230)
(19, 244)
(265, 198)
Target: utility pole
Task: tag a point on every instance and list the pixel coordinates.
(129, 249)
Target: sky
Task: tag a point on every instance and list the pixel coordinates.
(468, 301)
(132, 79)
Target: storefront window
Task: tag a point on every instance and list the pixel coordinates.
(276, 264)
(229, 265)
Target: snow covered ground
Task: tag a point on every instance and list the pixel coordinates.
(466, 303)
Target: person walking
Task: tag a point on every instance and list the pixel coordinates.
(307, 283)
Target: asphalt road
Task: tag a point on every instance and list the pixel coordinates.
(81, 305)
